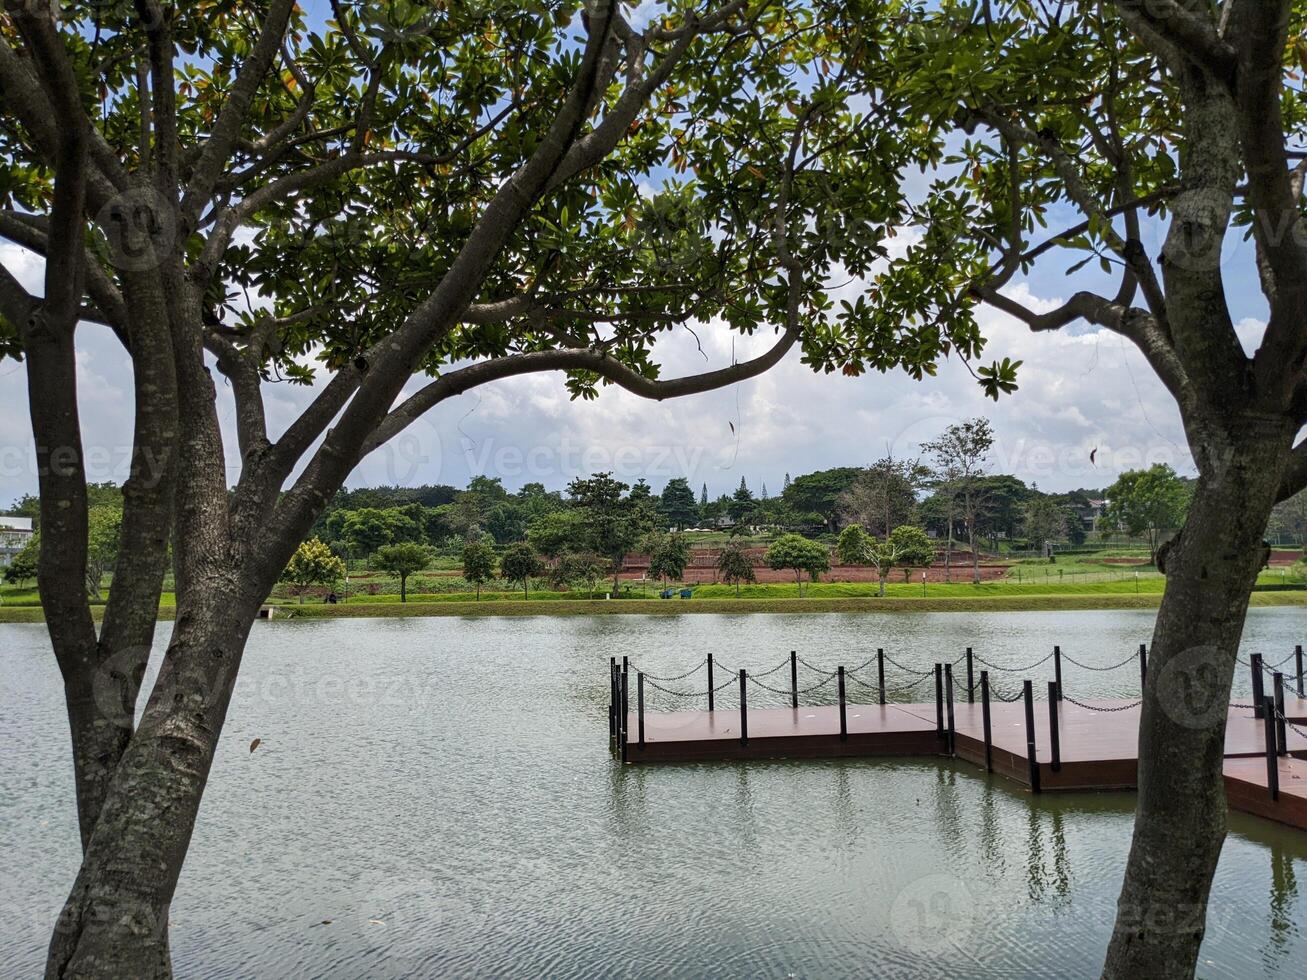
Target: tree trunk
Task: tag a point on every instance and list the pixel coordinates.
(975, 555)
(1180, 822)
(882, 585)
(403, 588)
(115, 921)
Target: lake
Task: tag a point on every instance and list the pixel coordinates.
(435, 797)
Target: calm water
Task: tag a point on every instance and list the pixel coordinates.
(434, 797)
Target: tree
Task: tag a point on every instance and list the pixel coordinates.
(520, 564)
(556, 532)
(820, 492)
(584, 567)
(1148, 502)
(461, 192)
(797, 553)
(402, 560)
(742, 504)
(884, 495)
(22, 567)
(668, 557)
(312, 564)
(735, 566)
(677, 503)
(611, 523)
(1045, 522)
(960, 453)
(1079, 131)
(853, 545)
(906, 546)
(369, 528)
(478, 563)
(104, 525)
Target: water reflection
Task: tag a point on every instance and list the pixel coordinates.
(480, 818)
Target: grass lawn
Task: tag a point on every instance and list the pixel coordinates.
(1005, 594)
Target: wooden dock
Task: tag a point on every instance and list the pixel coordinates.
(1057, 744)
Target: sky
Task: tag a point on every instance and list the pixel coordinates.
(1088, 408)
(1081, 389)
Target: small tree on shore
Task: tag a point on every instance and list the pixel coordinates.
(735, 567)
(312, 564)
(853, 545)
(668, 557)
(22, 568)
(521, 564)
(1148, 502)
(401, 561)
(797, 553)
(906, 546)
(478, 564)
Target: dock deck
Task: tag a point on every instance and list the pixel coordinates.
(1077, 745)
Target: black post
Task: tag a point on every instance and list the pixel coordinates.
(639, 705)
(948, 701)
(1029, 691)
(1297, 656)
(612, 700)
(1281, 737)
(1143, 666)
(1258, 692)
(971, 680)
(939, 700)
(794, 678)
(844, 721)
(744, 709)
(1057, 669)
(1272, 764)
(1054, 743)
(710, 683)
(880, 672)
(621, 728)
(984, 713)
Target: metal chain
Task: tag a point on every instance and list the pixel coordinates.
(995, 693)
(1129, 659)
(667, 690)
(679, 677)
(909, 670)
(1015, 670)
(1092, 707)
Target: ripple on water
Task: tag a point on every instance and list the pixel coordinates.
(434, 798)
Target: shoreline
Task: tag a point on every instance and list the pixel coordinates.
(681, 607)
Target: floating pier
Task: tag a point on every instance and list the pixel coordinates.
(1051, 743)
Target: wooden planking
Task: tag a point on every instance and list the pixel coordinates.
(1246, 788)
(1097, 748)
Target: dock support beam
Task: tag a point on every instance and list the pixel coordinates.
(984, 714)
(744, 708)
(612, 701)
(621, 728)
(1054, 742)
(710, 683)
(1057, 669)
(639, 705)
(1258, 691)
(939, 700)
(880, 672)
(1028, 692)
(1272, 763)
(794, 678)
(844, 719)
(948, 703)
(971, 678)
(1281, 737)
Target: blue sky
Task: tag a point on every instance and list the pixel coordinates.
(1082, 390)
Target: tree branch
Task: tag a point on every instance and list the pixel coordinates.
(222, 141)
(458, 381)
